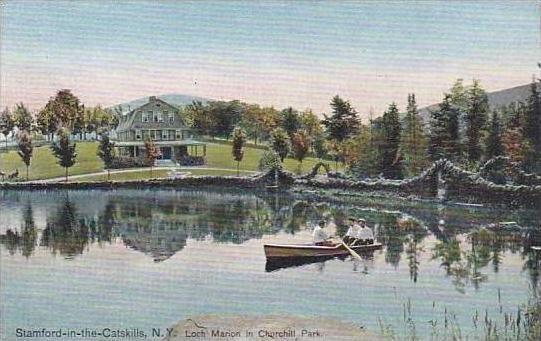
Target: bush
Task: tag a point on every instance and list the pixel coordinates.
(128, 162)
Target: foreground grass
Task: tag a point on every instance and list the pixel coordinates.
(44, 165)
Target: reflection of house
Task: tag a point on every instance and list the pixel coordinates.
(160, 241)
(164, 125)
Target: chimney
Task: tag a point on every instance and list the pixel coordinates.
(152, 99)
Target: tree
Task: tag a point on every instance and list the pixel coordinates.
(25, 148)
(106, 153)
(280, 143)
(22, 117)
(459, 97)
(494, 141)
(391, 159)
(152, 153)
(64, 150)
(6, 124)
(413, 138)
(444, 138)
(300, 144)
(343, 123)
(476, 118)
(291, 121)
(239, 139)
(67, 109)
(532, 130)
(311, 124)
(47, 122)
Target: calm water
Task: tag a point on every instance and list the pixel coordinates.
(147, 259)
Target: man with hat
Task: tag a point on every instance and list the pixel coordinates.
(353, 230)
(319, 236)
(365, 236)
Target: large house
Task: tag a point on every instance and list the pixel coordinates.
(164, 125)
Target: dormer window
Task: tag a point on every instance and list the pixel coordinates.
(160, 117)
(150, 116)
(144, 116)
(171, 116)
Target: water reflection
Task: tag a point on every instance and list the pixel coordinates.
(160, 223)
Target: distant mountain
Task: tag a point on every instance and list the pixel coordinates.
(496, 99)
(177, 100)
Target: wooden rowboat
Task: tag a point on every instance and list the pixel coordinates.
(311, 250)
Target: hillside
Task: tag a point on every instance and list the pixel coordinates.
(496, 99)
(174, 99)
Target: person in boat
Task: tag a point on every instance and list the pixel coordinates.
(365, 235)
(351, 235)
(320, 237)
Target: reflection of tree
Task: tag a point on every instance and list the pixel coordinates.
(412, 252)
(29, 233)
(24, 241)
(65, 233)
(464, 266)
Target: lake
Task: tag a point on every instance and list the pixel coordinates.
(149, 258)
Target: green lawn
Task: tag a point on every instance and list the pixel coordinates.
(158, 173)
(44, 164)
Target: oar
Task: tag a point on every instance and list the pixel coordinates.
(351, 251)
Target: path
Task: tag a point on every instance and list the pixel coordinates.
(130, 170)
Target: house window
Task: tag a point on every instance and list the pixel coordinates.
(171, 134)
(178, 134)
(153, 134)
(138, 134)
(144, 117)
(160, 117)
(145, 134)
(171, 116)
(165, 134)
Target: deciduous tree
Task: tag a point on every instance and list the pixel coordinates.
(300, 144)
(239, 139)
(6, 124)
(106, 153)
(280, 143)
(25, 148)
(22, 117)
(64, 150)
(152, 153)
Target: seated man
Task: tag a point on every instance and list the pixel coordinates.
(319, 236)
(351, 234)
(365, 235)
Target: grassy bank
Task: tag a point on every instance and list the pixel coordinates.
(158, 173)
(44, 164)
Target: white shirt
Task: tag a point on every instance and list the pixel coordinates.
(353, 231)
(365, 233)
(319, 234)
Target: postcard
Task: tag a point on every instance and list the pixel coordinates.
(270, 170)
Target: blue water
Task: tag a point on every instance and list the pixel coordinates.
(147, 259)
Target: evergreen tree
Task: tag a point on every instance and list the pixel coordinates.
(343, 123)
(444, 140)
(22, 117)
(413, 138)
(476, 118)
(532, 121)
(391, 160)
(25, 148)
(64, 151)
(459, 96)
(106, 153)
(6, 124)
(532, 130)
(280, 143)
(494, 141)
(239, 139)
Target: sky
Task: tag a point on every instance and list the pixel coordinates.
(294, 53)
